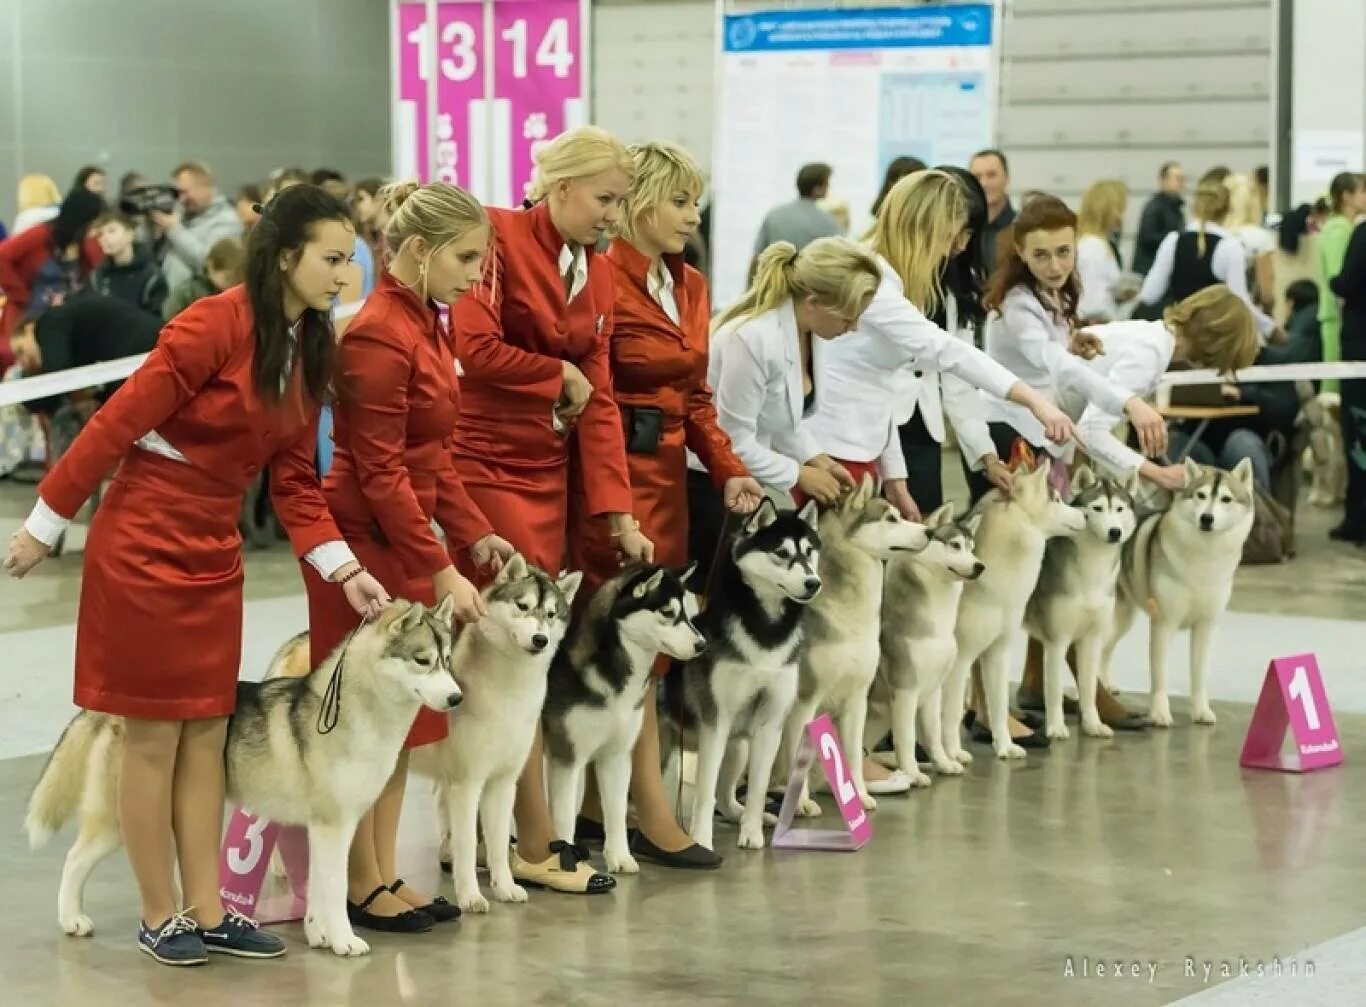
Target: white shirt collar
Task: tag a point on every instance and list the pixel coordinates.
(660, 283)
(579, 261)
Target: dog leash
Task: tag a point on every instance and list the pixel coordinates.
(329, 711)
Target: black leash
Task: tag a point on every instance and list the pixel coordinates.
(329, 712)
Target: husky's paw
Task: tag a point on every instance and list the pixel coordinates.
(1011, 751)
(963, 758)
(348, 945)
(474, 902)
(315, 933)
(919, 779)
(949, 767)
(1097, 729)
(732, 810)
(1203, 715)
(506, 891)
(1057, 732)
(770, 821)
(751, 838)
(1160, 713)
(79, 925)
(623, 864)
(808, 808)
(869, 802)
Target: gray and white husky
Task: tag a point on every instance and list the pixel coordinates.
(919, 612)
(280, 764)
(501, 663)
(1010, 541)
(738, 694)
(844, 624)
(595, 702)
(1074, 601)
(1179, 568)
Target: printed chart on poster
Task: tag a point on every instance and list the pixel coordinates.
(509, 76)
(853, 88)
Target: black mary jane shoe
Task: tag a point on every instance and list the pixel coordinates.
(414, 921)
(981, 734)
(694, 858)
(1032, 702)
(438, 909)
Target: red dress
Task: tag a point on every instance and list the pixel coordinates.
(20, 259)
(512, 334)
(657, 363)
(393, 471)
(159, 631)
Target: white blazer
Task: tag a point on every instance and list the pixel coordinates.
(1136, 356)
(756, 379)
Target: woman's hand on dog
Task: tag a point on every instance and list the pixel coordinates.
(742, 494)
(25, 552)
(363, 593)
(1149, 424)
(900, 497)
(491, 552)
(1169, 477)
(998, 474)
(469, 604)
(819, 484)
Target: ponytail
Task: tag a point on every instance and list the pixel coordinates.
(838, 273)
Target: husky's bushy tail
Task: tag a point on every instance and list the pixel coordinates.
(57, 795)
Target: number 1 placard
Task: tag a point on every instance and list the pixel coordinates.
(820, 740)
(1292, 697)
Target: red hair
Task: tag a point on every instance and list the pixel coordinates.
(1041, 213)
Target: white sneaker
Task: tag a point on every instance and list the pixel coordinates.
(897, 783)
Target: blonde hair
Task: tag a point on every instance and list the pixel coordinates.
(437, 212)
(37, 191)
(1210, 207)
(578, 153)
(1244, 205)
(840, 274)
(661, 170)
(1102, 207)
(915, 229)
(1217, 328)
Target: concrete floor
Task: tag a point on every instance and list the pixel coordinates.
(1146, 849)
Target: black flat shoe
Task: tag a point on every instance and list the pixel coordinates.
(438, 909)
(588, 831)
(414, 921)
(1031, 719)
(694, 858)
(1032, 702)
(1129, 722)
(981, 734)
(1348, 533)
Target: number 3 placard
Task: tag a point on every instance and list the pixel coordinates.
(244, 861)
(1292, 697)
(820, 740)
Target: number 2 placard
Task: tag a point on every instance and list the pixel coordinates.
(820, 740)
(1292, 698)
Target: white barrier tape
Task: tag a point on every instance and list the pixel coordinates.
(40, 386)
(1270, 372)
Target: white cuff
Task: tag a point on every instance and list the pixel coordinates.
(45, 524)
(329, 557)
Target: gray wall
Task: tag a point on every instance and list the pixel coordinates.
(246, 85)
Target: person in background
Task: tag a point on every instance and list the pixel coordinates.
(898, 169)
(128, 271)
(223, 268)
(1244, 221)
(1347, 198)
(992, 171)
(1349, 283)
(91, 178)
(369, 214)
(838, 210)
(231, 388)
(282, 178)
(131, 180)
(1103, 284)
(246, 204)
(1261, 178)
(1302, 327)
(331, 181)
(39, 199)
(802, 220)
(659, 380)
(206, 216)
(1164, 213)
(48, 261)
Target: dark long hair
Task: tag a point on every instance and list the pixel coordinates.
(899, 168)
(78, 211)
(964, 275)
(286, 225)
(1041, 212)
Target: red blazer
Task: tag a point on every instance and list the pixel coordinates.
(657, 363)
(512, 333)
(20, 259)
(195, 389)
(395, 417)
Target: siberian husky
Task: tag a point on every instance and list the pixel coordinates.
(501, 663)
(919, 611)
(743, 687)
(840, 658)
(1010, 541)
(281, 761)
(594, 705)
(1074, 601)
(1179, 567)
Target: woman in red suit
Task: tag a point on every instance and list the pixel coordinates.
(537, 388)
(232, 386)
(659, 378)
(392, 473)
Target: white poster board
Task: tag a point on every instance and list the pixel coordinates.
(851, 87)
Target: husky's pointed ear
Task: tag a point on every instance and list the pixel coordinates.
(408, 621)
(569, 584)
(811, 514)
(444, 612)
(1083, 478)
(972, 523)
(941, 517)
(650, 583)
(764, 515)
(1132, 485)
(514, 569)
(864, 492)
(1193, 470)
(1242, 474)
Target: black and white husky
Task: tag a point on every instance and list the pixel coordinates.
(594, 704)
(743, 687)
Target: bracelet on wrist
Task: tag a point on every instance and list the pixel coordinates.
(351, 576)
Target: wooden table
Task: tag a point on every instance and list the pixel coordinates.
(1204, 414)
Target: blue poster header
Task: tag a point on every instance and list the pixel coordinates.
(860, 28)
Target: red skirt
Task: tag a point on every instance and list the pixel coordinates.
(527, 505)
(331, 619)
(159, 630)
(856, 469)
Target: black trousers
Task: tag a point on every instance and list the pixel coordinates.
(1003, 437)
(706, 520)
(924, 464)
(1353, 420)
